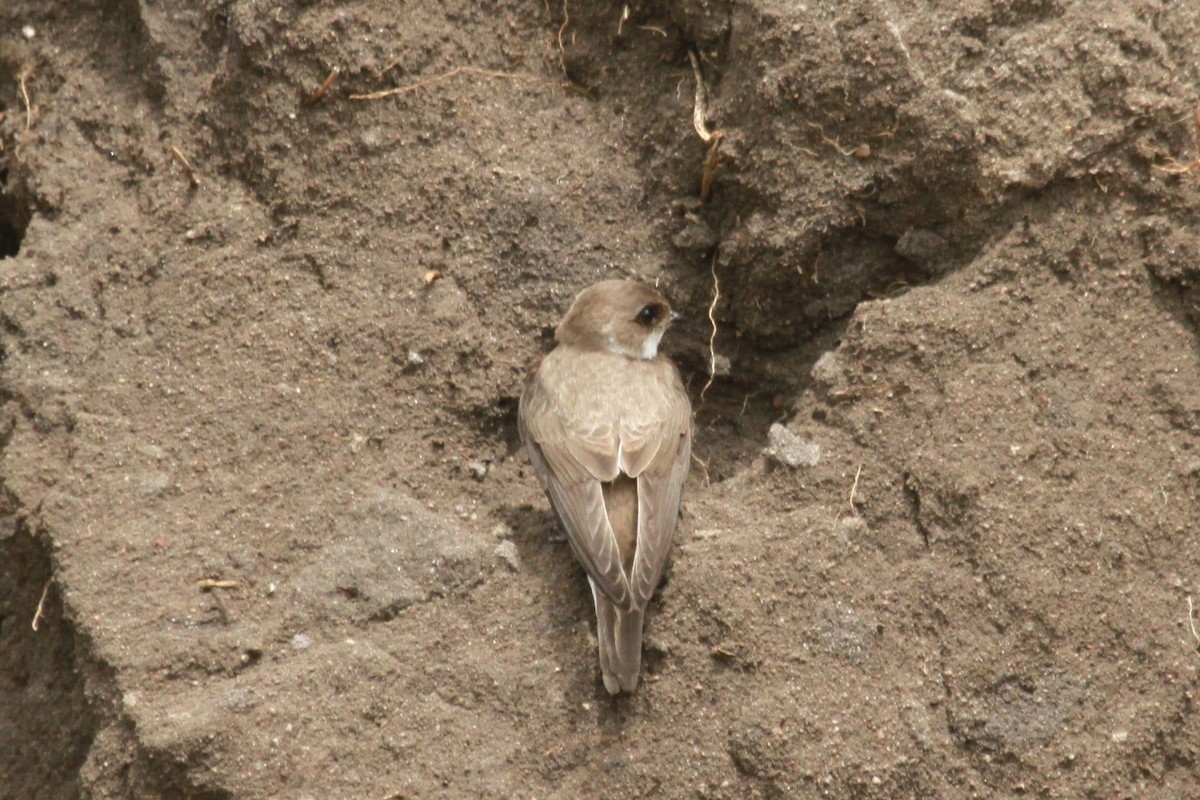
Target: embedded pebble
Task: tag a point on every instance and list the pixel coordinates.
(829, 370)
(301, 641)
(506, 551)
(788, 448)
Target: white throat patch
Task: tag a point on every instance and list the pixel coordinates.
(650, 346)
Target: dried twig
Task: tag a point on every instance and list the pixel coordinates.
(710, 167)
(854, 489)
(37, 615)
(207, 584)
(1191, 624)
(700, 123)
(193, 181)
(421, 84)
(562, 52)
(859, 151)
(700, 107)
(323, 89)
(24, 76)
(1173, 167)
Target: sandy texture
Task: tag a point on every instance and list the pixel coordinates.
(959, 273)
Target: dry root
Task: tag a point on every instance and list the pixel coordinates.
(421, 84)
(1173, 167)
(700, 123)
(323, 89)
(190, 173)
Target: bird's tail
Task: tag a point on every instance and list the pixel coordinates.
(619, 633)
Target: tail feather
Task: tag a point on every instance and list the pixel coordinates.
(606, 614)
(627, 647)
(619, 634)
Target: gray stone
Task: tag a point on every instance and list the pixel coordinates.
(788, 448)
(506, 551)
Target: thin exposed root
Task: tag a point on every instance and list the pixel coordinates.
(562, 51)
(421, 84)
(1173, 167)
(710, 167)
(700, 123)
(712, 340)
(208, 584)
(854, 489)
(190, 173)
(862, 150)
(1191, 625)
(700, 106)
(704, 468)
(323, 89)
(38, 614)
(24, 76)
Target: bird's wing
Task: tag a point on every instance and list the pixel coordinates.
(571, 464)
(660, 490)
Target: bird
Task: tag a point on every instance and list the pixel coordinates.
(608, 427)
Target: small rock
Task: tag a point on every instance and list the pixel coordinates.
(152, 451)
(479, 470)
(506, 551)
(922, 247)
(301, 641)
(788, 448)
(502, 530)
(415, 359)
(28, 31)
(154, 484)
(829, 371)
(854, 526)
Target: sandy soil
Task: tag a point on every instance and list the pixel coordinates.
(941, 539)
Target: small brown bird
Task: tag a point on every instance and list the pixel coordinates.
(609, 430)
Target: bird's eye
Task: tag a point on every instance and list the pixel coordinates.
(647, 315)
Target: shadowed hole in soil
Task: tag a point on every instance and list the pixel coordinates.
(46, 726)
(15, 211)
(51, 718)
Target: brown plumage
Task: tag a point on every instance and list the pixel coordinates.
(609, 431)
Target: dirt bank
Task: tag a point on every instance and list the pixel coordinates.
(261, 488)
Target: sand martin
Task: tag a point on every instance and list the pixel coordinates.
(608, 427)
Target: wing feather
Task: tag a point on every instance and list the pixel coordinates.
(660, 492)
(567, 464)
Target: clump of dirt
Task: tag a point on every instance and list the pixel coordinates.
(259, 462)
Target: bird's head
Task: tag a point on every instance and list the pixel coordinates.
(622, 317)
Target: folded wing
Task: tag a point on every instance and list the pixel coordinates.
(572, 463)
(571, 466)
